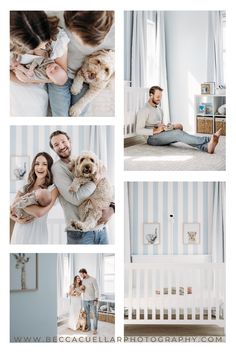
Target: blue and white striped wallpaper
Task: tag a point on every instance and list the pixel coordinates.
(29, 140)
(153, 202)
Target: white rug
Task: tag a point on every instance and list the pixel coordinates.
(175, 157)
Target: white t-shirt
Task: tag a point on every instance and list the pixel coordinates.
(77, 51)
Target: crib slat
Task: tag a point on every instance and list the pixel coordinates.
(209, 287)
(161, 292)
(154, 295)
(145, 294)
(138, 294)
(130, 295)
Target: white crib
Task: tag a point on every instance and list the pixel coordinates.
(174, 293)
(134, 100)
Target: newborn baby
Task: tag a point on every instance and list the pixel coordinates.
(42, 70)
(41, 197)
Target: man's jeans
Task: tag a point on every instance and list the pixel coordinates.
(98, 237)
(177, 135)
(90, 307)
(61, 99)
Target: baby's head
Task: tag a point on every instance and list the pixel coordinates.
(43, 197)
(56, 74)
(82, 287)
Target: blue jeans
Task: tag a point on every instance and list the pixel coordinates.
(177, 135)
(76, 237)
(61, 99)
(90, 307)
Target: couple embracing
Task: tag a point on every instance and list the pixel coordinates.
(46, 182)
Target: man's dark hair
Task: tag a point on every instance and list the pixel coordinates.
(57, 132)
(91, 26)
(153, 89)
(83, 270)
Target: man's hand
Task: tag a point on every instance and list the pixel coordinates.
(106, 215)
(21, 76)
(159, 129)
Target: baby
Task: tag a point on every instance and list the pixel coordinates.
(41, 197)
(42, 70)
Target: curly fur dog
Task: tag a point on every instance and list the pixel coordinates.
(97, 70)
(81, 324)
(87, 167)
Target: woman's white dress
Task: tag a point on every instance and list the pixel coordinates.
(36, 232)
(32, 99)
(75, 308)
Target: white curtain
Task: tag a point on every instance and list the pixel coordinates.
(65, 276)
(100, 272)
(218, 223)
(127, 223)
(215, 65)
(146, 51)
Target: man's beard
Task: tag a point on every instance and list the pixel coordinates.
(65, 155)
(156, 103)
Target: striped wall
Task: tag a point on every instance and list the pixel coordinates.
(153, 202)
(29, 140)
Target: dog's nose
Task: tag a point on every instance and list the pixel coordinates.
(92, 76)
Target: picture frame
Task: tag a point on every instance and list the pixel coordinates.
(208, 88)
(23, 272)
(19, 167)
(151, 234)
(191, 233)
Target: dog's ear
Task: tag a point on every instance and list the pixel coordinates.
(101, 172)
(71, 165)
(97, 53)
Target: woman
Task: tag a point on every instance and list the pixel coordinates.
(75, 292)
(32, 229)
(33, 35)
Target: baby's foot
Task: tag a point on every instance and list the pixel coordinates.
(214, 141)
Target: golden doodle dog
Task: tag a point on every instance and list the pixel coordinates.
(87, 167)
(97, 70)
(81, 324)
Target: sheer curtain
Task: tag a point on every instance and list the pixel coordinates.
(65, 276)
(127, 223)
(145, 52)
(218, 223)
(215, 62)
(100, 271)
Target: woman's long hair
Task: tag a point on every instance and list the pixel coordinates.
(30, 28)
(75, 282)
(32, 176)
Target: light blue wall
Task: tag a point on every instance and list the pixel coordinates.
(153, 202)
(34, 313)
(29, 140)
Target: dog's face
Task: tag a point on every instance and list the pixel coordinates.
(82, 315)
(89, 166)
(99, 66)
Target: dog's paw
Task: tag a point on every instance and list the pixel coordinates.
(74, 111)
(72, 189)
(75, 89)
(76, 225)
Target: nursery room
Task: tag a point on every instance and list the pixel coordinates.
(31, 144)
(70, 307)
(61, 297)
(174, 90)
(175, 259)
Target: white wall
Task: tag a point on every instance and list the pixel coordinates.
(34, 313)
(87, 261)
(186, 46)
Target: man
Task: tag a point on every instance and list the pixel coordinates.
(62, 178)
(88, 32)
(150, 124)
(90, 298)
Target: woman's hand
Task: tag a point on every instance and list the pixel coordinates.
(25, 220)
(21, 76)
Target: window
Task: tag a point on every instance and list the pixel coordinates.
(109, 274)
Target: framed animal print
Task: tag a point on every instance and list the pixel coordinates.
(151, 234)
(19, 167)
(23, 271)
(191, 233)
